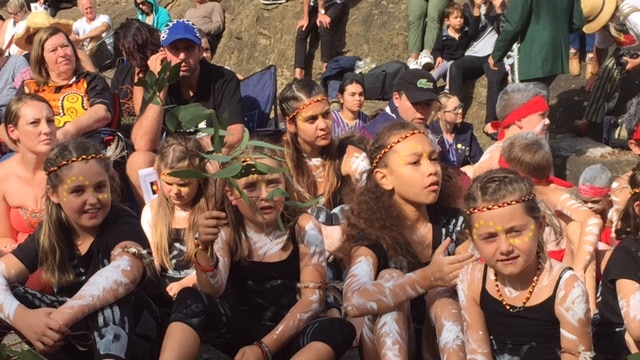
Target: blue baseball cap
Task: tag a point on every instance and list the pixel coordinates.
(180, 30)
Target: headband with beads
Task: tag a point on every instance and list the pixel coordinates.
(53, 169)
(304, 106)
(388, 148)
(500, 205)
(634, 191)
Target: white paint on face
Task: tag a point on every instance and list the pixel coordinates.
(359, 166)
(8, 303)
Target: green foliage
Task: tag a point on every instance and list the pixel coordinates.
(8, 352)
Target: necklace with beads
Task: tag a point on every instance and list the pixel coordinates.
(526, 298)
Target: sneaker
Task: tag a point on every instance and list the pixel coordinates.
(273, 2)
(425, 60)
(574, 63)
(413, 63)
(592, 67)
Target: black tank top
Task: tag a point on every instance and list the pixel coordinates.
(531, 333)
(265, 291)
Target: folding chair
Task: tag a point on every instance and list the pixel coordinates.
(258, 93)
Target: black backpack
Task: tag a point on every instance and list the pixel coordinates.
(378, 83)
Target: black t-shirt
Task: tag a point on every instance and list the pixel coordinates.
(624, 263)
(218, 88)
(122, 84)
(120, 225)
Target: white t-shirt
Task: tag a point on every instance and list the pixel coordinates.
(623, 29)
(81, 27)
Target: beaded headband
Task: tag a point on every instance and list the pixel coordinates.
(388, 148)
(53, 169)
(501, 205)
(304, 106)
(634, 191)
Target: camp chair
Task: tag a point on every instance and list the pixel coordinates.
(258, 92)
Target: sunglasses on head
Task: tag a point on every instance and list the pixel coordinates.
(15, 13)
(142, 3)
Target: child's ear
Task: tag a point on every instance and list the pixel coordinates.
(636, 207)
(291, 126)
(383, 179)
(633, 146)
(53, 195)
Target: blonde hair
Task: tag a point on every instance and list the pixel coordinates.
(177, 154)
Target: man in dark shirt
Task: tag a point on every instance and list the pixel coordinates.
(200, 82)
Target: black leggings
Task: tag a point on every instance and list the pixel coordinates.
(129, 328)
(335, 13)
(229, 329)
(471, 68)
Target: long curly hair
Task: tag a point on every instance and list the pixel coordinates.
(629, 224)
(374, 216)
(138, 41)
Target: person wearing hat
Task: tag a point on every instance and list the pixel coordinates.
(522, 107)
(211, 85)
(615, 23)
(414, 94)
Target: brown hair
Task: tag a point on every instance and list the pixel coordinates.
(12, 112)
(295, 94)
(453, 8)
(38, 64)
(528, 154)
(629, 224)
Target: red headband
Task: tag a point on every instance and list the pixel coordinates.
(636, 134)
(593, 191)
(535, 105)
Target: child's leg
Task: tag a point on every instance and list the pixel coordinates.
(446, 315)
(324, 338)
(387, 336)
(441, 70)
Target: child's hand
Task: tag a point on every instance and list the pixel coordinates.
(438, 62)
(45, 333)
(209, 226)
(443, 269)
(174, 288)
(249, 352)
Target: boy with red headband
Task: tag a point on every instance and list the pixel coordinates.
(522, 108)
(594, 192)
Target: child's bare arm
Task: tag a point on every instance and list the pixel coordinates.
(574, 315)
(477, 343)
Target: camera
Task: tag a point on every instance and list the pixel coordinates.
(620, 54)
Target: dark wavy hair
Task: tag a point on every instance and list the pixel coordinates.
(374, 217)
(138, 41)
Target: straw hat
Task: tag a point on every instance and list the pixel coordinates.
(597, 13)
(36, 21)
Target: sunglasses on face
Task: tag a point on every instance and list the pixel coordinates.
(142, 3)
(456, 109)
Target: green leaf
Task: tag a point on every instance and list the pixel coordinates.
(245, 140)
(142, 82)
(189, 116)
(174, 74)
(171, 122)
(27, 354)
(276, 193)
(189, 174)
(266, 169)
(243, 195)
(215, 138)
(228, 171)
(635, 356)
(217, 157)
(266, 145)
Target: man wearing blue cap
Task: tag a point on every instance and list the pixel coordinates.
(200, 82)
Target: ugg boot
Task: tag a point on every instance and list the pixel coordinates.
(592, 67)
(574, 62)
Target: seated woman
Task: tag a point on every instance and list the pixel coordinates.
(262, 277)
(81, 101)
(137, 41)
(458, 145)
(616, 327)
(350, 116)
(17, 10)
(106, 305)
(518, 303)
(151, 13)
(29, 121)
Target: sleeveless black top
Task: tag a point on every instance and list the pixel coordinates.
(531, 333)
(265, 291)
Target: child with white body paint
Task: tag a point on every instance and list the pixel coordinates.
(530, 155)
(397, 243)
(518, 304)
(170, 219)
(262, 285)
(93, 253)
(616, 327)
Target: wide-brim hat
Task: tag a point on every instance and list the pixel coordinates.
(38, 20)
(597, 13)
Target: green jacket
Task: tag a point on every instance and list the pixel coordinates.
(542, 28)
